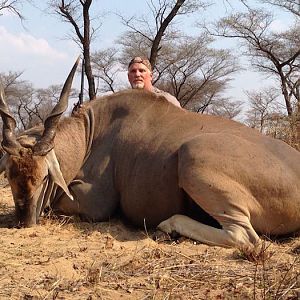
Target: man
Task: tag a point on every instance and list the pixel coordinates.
(140, 77)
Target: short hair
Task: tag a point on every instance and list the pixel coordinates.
(141, 60)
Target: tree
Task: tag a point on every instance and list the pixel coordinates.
(266, 114)
(196, 71)
(188, 68)
(274, 54)
(292, 6)
(12, 6)
(264, 106)
(76, 12)
(185, 66)
(226, 108)
(106, 70)
(46, 98)
(29, 106)
(19, 95)
(153, 32)
(10, 80)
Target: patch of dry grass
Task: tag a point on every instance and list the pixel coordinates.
(272, 280)
(67, 259)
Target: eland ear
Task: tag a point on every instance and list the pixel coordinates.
(55, 172)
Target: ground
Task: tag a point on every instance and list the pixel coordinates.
(68, 259)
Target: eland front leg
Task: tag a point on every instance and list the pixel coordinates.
(91, 202)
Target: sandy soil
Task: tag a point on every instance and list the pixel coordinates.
(67, 259)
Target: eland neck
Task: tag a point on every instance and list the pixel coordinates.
(72, 144)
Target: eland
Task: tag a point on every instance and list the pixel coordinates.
(208, 178)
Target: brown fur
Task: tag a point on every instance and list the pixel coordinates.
(24, 168)
(152, 159)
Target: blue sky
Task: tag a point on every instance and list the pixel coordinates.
(39, 47)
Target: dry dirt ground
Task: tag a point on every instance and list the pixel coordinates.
(68, 259)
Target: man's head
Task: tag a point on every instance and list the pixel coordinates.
(140, 73)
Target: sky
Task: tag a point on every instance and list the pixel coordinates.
(39, 47)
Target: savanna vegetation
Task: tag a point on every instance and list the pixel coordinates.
(186, 64)
(64, 258)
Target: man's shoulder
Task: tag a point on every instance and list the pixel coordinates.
(167, 95)
(158, 91)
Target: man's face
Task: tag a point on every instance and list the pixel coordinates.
(139, 76)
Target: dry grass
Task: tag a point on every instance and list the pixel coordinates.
(67, 259)
(270, 282)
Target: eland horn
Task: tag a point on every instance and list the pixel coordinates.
(46, 142)
(9, 142)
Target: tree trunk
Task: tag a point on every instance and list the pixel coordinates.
(86, 50)
(161, 30)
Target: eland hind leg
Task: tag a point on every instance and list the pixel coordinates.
(232, 235)
(236, 229)
(223, 198)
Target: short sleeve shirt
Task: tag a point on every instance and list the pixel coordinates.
(168, 96)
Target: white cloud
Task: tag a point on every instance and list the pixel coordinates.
(43, 65)
(27, 44)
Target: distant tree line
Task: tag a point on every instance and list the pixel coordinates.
(186, 65)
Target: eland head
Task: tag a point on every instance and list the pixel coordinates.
(30, 162)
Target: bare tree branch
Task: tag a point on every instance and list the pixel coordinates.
(292, 6)
(12, 6)
(76, 12)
